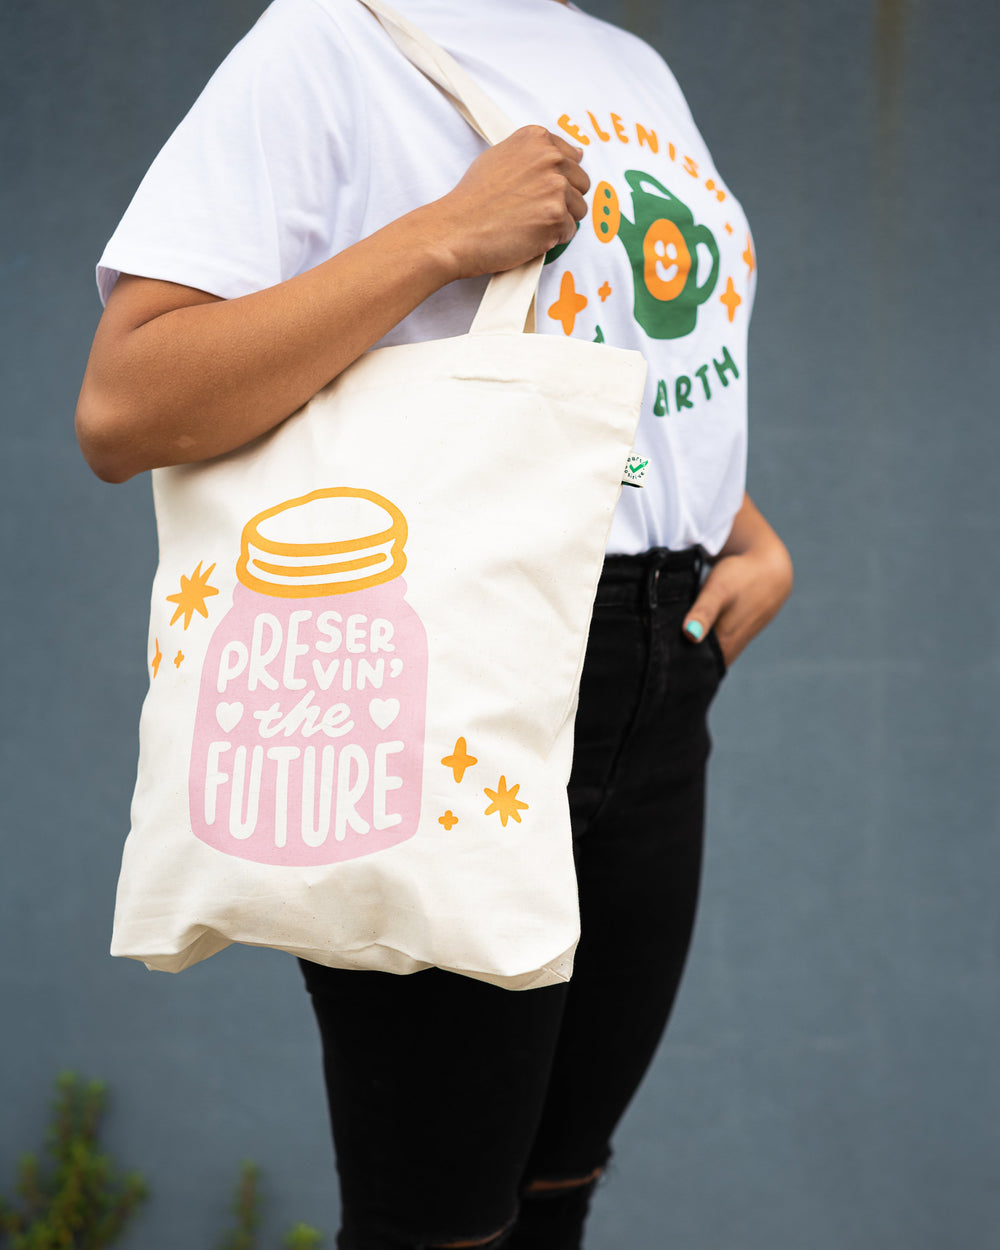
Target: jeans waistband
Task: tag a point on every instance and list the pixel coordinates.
(656, 576)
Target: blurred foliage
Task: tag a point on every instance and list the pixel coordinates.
(73, 1198)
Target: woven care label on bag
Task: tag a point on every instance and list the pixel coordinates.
(308, 744)
(635, 470)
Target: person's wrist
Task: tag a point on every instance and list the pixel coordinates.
(442, 242)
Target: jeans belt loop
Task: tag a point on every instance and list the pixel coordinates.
(653, 585)
(700, 563)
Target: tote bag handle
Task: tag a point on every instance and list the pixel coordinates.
(508, 305)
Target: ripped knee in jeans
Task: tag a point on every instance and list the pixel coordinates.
(493, 1242)
(544, 1186)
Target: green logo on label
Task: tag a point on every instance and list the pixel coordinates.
(635, 470)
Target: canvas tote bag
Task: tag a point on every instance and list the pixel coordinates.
(366, 636)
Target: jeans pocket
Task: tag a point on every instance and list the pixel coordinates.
(716, 649)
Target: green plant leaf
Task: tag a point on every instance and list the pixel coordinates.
(303, 1237)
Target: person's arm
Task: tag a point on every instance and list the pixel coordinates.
(177, 375)
(747, 586)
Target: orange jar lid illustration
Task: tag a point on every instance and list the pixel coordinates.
(329, 542)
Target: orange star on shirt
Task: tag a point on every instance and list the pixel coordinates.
(449, 820)
(731, 300)
(749, 258)
(569, 303)
(459, 760)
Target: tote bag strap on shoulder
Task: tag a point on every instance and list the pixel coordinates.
(508, 305)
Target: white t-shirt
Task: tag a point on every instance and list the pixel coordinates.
(315, 132)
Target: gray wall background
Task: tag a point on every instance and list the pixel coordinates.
(830, 1078)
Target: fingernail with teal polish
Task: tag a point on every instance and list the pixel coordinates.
(695, 629)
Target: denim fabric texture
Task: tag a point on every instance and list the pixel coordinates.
(448, 1096)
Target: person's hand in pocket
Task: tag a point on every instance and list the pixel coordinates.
(747, 586)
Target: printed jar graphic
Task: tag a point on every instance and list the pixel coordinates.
(308, 744)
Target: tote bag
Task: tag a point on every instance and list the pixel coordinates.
(366, 635)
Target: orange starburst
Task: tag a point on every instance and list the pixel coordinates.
(505, 802)
(192, 595)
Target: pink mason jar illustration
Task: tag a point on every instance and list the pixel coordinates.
(308, 743)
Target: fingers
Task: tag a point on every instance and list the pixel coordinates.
(577, 180)
(517, 200)
(574, 153)
(706, 609)
(576, 205)
(700, 619)
(570, 156)
(741, 594)
(577, 177)
(571, 167)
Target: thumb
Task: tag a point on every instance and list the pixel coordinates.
(704, 612)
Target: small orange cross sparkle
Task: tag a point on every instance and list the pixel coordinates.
(748, 257)
(459, 760)
(569, 303)
(731, 300)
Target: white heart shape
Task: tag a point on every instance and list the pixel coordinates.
(383, 711)
(229, 715)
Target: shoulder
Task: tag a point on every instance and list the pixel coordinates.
(292, 39)
(631, 53)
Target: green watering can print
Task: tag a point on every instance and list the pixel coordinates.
(662, 244)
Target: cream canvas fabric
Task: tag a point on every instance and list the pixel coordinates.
(366, 635)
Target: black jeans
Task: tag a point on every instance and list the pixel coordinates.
(448, 1096)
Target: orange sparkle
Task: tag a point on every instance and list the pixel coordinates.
(179, 659)
(569, 303)
(729, 229)
(459, 760)
(155, 662)
(748, 256)
(192, 595)
(731, 300)
(449, 820)
(604, 291)
(505, 802)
